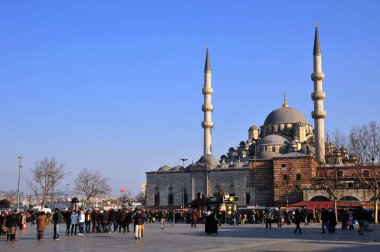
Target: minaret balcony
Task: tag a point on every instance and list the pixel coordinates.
(317, 76)
(318, 115)
(207, 124)
(318, 95)
(207, 90)
(207, 108)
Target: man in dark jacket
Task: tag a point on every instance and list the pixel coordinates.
(10, 223)
(94, 220)
(128, 219)
(121, 215)
(360, 216)
(139, 220)
(332, 221)
(112, 221)
(297, 220)
(67, 217)
(325, 219)
(57, 218)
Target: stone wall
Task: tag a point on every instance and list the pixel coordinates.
(290, 176)
(165, 184)
(260, 182)
(230, 181)
(361, 194)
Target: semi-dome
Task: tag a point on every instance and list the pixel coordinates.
(164, 168)
(285, 115)
(273, 140)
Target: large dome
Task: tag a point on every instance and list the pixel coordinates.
(285, 115)
(208, 159)
(164, 168)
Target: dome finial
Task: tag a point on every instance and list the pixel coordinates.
(285, 105)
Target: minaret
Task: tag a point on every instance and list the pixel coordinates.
(207, 107)
(318, 96)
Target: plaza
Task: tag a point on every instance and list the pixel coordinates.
(181, 237)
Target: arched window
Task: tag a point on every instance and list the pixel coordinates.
(349, 198)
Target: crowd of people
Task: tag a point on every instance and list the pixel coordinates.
(81, 221)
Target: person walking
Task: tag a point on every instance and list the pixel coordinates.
(41, 225)
(81, 220)
(297, 220)
(360, 216)
(194, 218)
(325, 220)
(332, 221)
(128, 220)
(22, 220)
(67, 217)
(162, 217)
(57, 219)
(350, 221)
(344, 217)
(87, 220)
(74, 222)
(112, 221)
(10, 225)
(94, 219)
(173, 217)
(268, 218)
(279, 218)
(121, 216)
(139, 220)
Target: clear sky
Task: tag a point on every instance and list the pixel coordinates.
(116, 86)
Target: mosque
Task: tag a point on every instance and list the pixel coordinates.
(274, 166)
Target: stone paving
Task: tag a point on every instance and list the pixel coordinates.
(181, 237)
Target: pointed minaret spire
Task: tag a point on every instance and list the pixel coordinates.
(317, 46)
(207, 63)
(207, 106)
(318, 96)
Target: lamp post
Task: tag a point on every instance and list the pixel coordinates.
(183, 188)
(207, 178)
(67, 201)
(19, 177)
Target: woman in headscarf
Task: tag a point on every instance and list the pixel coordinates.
(41, 225)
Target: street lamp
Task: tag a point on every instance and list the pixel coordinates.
(207, 178)
(183, 188)
(19, 177)
(67, 200)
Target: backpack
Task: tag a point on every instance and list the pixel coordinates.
(60, 217)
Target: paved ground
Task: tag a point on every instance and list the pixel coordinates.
(182, 238)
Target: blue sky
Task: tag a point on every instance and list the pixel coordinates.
(116, 86)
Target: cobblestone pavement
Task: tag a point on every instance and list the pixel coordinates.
(181, 237)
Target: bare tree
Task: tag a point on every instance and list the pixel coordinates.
(339, 139)
(91, 184)
(11, 197)
(327, 179)
(364, 142)
(46, 175)
(141, 198)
